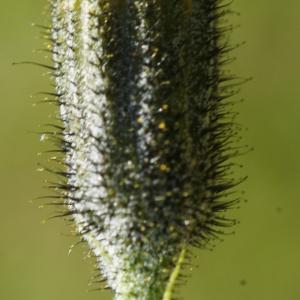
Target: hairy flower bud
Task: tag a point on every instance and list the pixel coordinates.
(146, 131)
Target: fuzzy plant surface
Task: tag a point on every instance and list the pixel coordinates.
(147, 133)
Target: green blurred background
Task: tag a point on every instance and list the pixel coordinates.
(261, 261)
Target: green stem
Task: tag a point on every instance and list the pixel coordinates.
(172, 281)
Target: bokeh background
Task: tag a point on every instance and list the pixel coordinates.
(260, 261)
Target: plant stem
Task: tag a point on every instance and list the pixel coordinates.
(172, 281)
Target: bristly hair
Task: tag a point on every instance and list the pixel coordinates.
(147, 133)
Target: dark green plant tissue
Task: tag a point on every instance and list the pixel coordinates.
(147, 132)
